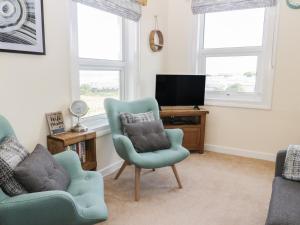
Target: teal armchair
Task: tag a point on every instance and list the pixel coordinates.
(82, 204)
(125, 149)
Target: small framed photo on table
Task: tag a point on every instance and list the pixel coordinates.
(22, 26)
(56, 123)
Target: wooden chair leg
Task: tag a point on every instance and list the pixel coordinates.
(137, 183)
(177, 176)
(121, 170)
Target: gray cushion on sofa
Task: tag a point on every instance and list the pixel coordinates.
(40, 172)
(148, 136)
(285, 202)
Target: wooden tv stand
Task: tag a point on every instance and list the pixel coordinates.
(191, 121)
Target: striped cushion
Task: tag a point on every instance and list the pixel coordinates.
(11, 154)
(291, 169)
(136, 118)
(127, 118)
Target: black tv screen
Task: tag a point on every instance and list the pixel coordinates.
(180, 90)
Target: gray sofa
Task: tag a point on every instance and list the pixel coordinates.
(285, 201)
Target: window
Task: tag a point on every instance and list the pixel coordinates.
(99, 34)
(95, 86)
(235, 52)
(104, 51)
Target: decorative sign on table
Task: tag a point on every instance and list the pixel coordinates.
(22, 26)
(56, 123)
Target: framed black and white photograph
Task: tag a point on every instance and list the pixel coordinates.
(22, 26)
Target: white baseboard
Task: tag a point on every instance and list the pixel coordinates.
(240, 152)
(111, 168)
(212, 148)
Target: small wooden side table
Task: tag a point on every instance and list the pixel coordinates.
(68, 140)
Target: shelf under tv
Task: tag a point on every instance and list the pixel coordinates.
(194, 133)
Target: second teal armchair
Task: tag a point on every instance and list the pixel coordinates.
(125, 149)
(82, 204)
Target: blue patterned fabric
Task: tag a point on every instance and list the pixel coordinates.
(208, 6)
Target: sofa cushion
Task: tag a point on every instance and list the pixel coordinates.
(285, 202)
(148, 136)
(11, 154)
(291, 169)
(40, 172)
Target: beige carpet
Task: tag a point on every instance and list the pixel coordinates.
(217, 190)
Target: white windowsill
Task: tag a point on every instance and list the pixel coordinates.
(99, 124)
(102, 131)
(238, 104)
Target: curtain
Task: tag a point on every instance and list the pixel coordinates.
(128, 9)
(207, 6)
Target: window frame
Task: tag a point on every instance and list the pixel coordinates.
(130, 54)
(262, 98)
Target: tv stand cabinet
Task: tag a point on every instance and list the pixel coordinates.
(191, 121)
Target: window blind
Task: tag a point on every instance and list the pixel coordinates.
(128, 9)
(207, 6)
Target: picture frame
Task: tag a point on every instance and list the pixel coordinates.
(56, 123)
(22, 27)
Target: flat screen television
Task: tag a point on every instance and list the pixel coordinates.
(180, 90)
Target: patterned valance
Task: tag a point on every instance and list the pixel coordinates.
(207, 6)
(128, 9)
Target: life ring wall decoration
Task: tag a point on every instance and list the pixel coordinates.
(293, 4)
(156, 38)
(156, 47)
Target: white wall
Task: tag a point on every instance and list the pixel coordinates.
(31, 86)
(152, 63)
(264, 131)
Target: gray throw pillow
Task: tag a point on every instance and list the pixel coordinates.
(148, 136)
(40, 172)
(11, 154)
